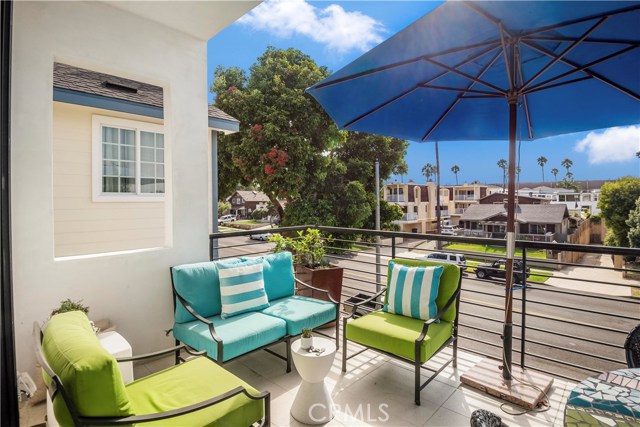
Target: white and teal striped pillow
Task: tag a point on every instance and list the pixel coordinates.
(241, 287)
(413, 291)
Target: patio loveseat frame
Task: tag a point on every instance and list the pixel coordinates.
(201, 327)
(448, 302)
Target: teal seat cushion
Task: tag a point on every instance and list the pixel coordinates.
(90, 374)
(301, 312)
(199, 285)
(192, 382)
(397, 334)
(278, 274)
(240, 334)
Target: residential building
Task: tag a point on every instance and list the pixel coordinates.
(463, 196)
(418, 204)
(537, 222)
(501, 198)
(243, 203)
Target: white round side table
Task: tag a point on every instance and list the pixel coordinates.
(313, 403)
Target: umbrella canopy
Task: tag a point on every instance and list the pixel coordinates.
(481, 70)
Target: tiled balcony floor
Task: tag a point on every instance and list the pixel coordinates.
(376, 390)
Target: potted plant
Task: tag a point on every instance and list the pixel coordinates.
(69, 305)
(306, 342)
(309, 249)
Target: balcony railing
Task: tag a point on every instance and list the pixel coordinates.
(459, 211)
(395, 198)
(412, 216)
(465, 197)
(570, 319)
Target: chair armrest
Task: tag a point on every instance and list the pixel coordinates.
(364, 301)
(161, 353)
(134, 419)
(324, 291)
(195, 314)
(443, 310)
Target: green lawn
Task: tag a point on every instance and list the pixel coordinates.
(538, 275)
(493, 250)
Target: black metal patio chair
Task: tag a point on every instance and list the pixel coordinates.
(632, 347)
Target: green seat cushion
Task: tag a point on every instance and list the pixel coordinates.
(240, 334)
(89, 374)
(192, 382)
(397, 334)
(301, 312)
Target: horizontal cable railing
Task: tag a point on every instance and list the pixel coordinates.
(572, 317)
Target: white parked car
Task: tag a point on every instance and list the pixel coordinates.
(457, 259)
(451, 230)
(263, 236)
(226, 218)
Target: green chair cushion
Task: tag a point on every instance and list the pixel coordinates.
(240, 334)
(448, 283)
(301, 312)
(192, 382)
(278, 275)
(88, 372)
(397, 334)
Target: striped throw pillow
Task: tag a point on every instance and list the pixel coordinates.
(413, 291)
(241, 287)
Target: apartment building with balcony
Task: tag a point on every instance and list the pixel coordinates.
(463, 196)
(418, 204)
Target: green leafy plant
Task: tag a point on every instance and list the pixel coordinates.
(307, 332)
(69, 305)
(308, 247)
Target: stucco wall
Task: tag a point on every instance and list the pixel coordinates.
(133, 290)
(83, 226)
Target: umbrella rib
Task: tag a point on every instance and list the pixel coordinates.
(462, 90)
(467, 76)
(405, 62)
(589, 72)
(543, 84)
(454, 103)
(537, 88)
(580, 20)
(565, 52)
(587, 40)
(368, 113)
(526, 103)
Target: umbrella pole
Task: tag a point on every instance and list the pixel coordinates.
(507, 332)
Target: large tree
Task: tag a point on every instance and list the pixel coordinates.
(634, 226)
(429, 170)
(284, 133)
(617, 200)
(290, 148)
(502, 164)
(455, 169)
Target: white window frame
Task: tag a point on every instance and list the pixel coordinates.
(96, 148)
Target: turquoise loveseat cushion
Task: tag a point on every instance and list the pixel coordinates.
(278, 274)
(88, 372)
(240, 334)
(192, 382)
(301, 312)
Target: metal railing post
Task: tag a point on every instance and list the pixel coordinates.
(523, 320)
(393, 247)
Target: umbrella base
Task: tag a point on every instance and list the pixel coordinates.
(486, 376)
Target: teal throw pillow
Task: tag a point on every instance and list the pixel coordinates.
(413, 291)
(241, 287)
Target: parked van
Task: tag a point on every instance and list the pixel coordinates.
(226, 218)
(451, 230)
(457, 259)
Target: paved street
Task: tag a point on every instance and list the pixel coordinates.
(550, 307)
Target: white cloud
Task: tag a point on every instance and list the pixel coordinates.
(333, 26)
(614, 145)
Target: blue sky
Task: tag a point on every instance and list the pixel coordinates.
(336, 33)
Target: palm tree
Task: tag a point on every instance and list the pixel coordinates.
(429, 170)
(567, 163)
(554, 172)
(542, 160)
(518, 170)
(502, 164)
(455, 169)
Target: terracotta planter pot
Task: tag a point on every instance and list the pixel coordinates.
(329, 279)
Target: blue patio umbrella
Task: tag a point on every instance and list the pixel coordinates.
(481, 70)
